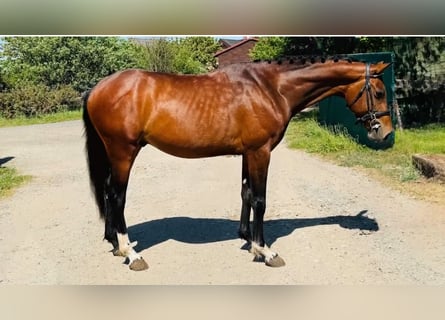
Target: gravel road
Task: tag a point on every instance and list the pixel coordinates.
(332, 225)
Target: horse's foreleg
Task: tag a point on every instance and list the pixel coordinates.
(258, 164)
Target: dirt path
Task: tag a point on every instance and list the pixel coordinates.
(332, 225)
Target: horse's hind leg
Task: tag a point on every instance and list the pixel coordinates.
(246, 195)
(121, 161)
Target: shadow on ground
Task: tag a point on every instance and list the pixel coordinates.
(207, 230)
(5, 160)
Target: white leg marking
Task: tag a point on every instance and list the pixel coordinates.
(127, 248)
(263, 251)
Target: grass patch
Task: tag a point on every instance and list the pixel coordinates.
(392, 166)
(10, 179)
(308, 135)
(48, 118)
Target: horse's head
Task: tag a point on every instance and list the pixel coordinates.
(367, 99)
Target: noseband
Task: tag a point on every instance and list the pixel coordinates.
(371, 114)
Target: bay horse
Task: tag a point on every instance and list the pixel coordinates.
(242, 109)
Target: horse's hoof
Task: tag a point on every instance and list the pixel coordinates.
(275, 262)
(139, 265)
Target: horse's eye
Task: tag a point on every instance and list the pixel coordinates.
(379, 94)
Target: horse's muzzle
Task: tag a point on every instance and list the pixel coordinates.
(377, 131)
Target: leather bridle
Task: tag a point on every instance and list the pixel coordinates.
(371, 114)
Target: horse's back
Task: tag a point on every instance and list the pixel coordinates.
(184, 115)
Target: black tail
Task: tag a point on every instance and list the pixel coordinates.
(98, 163)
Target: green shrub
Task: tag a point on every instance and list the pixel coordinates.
(32, 100)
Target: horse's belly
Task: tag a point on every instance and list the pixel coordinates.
(198, 146)
(185, 151)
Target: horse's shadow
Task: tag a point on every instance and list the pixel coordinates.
(207, 230)
(5, 160)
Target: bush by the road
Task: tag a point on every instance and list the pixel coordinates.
(37, 99)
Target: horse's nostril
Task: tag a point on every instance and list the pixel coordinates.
(376, 127)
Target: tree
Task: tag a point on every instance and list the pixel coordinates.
(81, 62)
(75, 61)
(269, 48)
(196, 54)
(159, 54)
(418, 65)
(415, 56)
(189, 55)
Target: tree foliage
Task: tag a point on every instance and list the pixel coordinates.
(269, 48)
(415, 59)
(420, 65)
(189, 55)
(43, 74)
(273, 47)
(196, 54)
(158, 55)
(75, 61)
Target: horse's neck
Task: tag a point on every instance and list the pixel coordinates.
(306, 86)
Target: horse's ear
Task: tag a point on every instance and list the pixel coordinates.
(380, 67)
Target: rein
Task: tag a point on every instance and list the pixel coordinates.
(371, 114)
